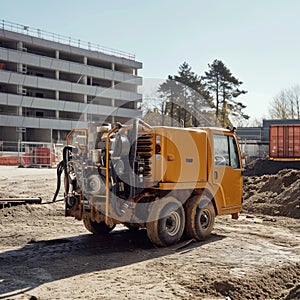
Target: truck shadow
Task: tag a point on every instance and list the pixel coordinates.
(45, 261)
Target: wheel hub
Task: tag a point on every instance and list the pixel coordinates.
(204, 219)
(173, 223)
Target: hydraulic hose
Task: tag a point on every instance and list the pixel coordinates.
(59, 170)
(62, 166)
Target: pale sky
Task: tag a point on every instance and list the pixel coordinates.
(258, 40)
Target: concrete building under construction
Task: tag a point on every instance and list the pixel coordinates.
(50, 84)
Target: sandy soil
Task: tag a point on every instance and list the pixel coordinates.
(275, 195)
(44, 255)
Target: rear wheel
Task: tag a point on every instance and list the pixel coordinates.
(96, 228)
(166, 222)
(200, 217)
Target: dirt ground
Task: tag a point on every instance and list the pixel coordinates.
(44, 255)
(275, 195)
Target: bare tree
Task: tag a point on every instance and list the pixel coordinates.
(279, 106)
(295, 100)
(286, 104)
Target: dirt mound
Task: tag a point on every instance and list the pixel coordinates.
(265, 166)
(268, 285)
(276, 195)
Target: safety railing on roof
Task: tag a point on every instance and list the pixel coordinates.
(28, 30)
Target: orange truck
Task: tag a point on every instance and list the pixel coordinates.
(171, 181)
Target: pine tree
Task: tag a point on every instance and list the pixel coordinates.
(170, 92)
(225, 88)
(187, 95)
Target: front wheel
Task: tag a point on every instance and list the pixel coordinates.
(200, 217)
(166, 222)
(96, 228)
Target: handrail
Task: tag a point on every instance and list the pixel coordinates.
(24, 29)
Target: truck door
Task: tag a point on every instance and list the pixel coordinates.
(227, 174)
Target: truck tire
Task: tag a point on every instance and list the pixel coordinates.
(166, 222)
(96, 228)
(200, 217)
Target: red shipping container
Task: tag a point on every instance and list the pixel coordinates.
(284, 142)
